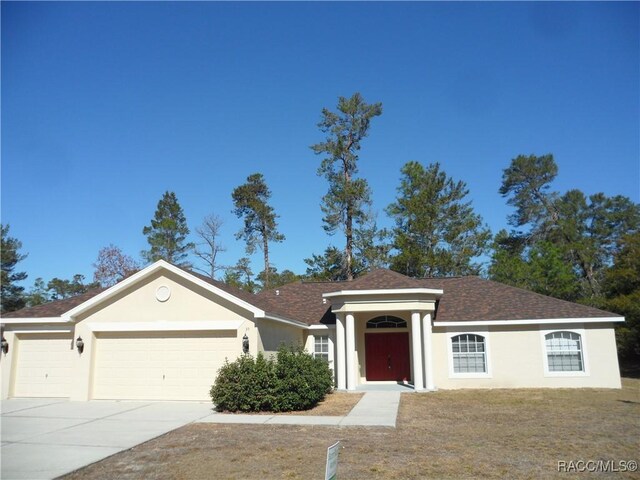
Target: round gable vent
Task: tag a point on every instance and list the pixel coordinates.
(163, 293)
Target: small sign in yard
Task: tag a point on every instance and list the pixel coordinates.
(331, 472)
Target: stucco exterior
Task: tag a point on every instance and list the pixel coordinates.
(164, 332)
(516, 358)
(271, 335)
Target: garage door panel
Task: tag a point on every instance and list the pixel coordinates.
(43, 365)
(162, 366)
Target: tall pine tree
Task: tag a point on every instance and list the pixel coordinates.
(345, 206)
(167, 233)
(12, 295)
(260, 226)
(584, 232)
(437, 231)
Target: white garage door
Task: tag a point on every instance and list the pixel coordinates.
(163, 366)
(43, 367)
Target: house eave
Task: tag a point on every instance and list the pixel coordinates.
(384, 291)
(33, 320)
(532, 321)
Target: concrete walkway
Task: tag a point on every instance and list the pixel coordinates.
(375, 409)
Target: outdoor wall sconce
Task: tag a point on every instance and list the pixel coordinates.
(79, 345)
(245, 344)
(4, 345)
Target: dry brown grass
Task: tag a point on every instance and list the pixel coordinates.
(447, 434)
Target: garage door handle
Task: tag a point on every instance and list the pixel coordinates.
(389, 362)
(163, 376)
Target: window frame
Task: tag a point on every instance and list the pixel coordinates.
(484, 333)
(317, 354)
(583, 351)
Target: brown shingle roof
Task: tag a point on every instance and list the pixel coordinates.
(464, 299)
(301, 300)
(55, 308)
(474, 298)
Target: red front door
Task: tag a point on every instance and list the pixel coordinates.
(387, 356)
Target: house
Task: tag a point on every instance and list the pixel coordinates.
(163, 333)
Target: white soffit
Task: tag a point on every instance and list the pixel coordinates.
(35, 320)
(538, 321)
(386, 291)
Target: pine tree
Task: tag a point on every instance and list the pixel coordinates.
(345, 206)
(167, 233)
(437, 231)
(260, 226)
(12, 295)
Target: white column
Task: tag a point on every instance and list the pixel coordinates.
(340, 366)
(351, 352)
(416, 346)
(428, 351)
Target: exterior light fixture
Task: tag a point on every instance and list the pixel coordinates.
(245, 344)
(79, 344)
(4, 345)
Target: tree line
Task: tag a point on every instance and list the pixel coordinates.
(573, 246)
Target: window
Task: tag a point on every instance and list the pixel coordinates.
(386, 321)
(321, 347)
(564, 352)
(469, 353)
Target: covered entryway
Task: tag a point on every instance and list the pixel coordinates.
(160, 366)
(387, 356)
(43, 366)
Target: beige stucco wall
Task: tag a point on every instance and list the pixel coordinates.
(272, 334)
(516, 358)
(138, 303)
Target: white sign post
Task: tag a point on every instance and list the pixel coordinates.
(331, 472)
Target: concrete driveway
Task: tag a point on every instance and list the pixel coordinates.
(43, 438)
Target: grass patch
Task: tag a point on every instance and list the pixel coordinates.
(448, 434)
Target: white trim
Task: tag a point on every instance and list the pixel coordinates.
(276, 318)
(487, 354)
(18, 321)
(150, 270)
(534, 321)
(321, 327)
(164, 326)
(20, 331)
(397, 291)
(583, 352)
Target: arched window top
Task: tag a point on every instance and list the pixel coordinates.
(564, 351)
(562, 341)
(468, 343)
(386, 321)
(469, 353)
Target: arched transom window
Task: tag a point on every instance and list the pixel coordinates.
(386, 321)
(469, 353)
(564, 352)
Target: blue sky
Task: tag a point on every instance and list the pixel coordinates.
(107, 105)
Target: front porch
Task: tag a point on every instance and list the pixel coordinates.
(384, 339)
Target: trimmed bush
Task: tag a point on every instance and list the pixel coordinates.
(295, 380)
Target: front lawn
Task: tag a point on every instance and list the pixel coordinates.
(447, 434)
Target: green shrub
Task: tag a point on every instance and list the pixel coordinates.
(295, 380)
